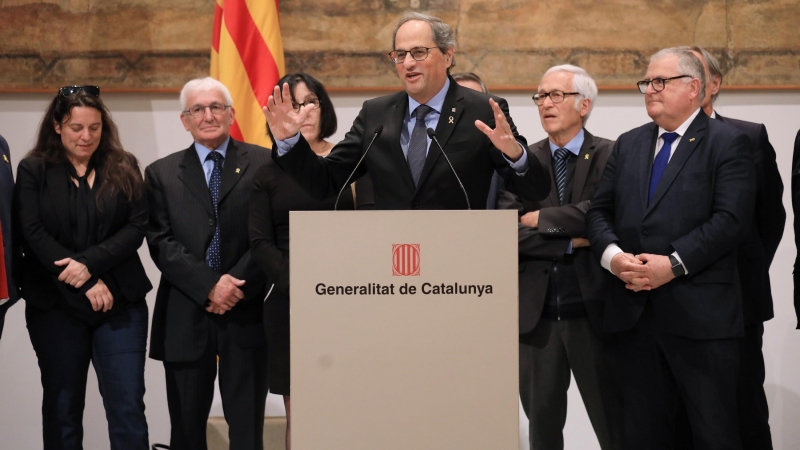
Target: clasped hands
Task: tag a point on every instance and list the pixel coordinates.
(76, 274)
(642, 272)
(225, 294)
(284, 122)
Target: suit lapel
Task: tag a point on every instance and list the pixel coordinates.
(542, 152)
(647, 148)
(582, 166)
(694, 135)
(392, 131)
(57, 176)
(448, 120)
(191, 174)
(109, 205)
(236, 162)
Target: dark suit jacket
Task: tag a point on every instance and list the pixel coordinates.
(702, 209)
(6, 200)
(759, 246)
(796, 212)
(42, 210)
(540, 248)
(472, 154)
(179, 231)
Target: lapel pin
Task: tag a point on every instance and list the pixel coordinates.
(5, 158)
(691, 139)
(450, 119)
(454, 110)
(238, 170)
(586, 156)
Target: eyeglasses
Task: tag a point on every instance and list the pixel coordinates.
(555, 96)
(314, 102)
(418, 53)
(200, 110)
(69, 90)
(658, 83)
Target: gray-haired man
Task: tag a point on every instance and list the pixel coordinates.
(560, 312)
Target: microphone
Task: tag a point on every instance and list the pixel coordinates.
(432, 135)
(377, 133)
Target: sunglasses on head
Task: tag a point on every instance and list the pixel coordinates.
(69, 90)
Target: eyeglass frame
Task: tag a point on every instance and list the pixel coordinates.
(647, 83)
(297, 106)
(66, 91)
(408, 52)
(549, 94)
(208, 107)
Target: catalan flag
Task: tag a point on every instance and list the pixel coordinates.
(247, 57)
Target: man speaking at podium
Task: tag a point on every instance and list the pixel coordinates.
(408, 169)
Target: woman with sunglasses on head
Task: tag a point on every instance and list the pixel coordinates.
(275, 194)
(81, 211)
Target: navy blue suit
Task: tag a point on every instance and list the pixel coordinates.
(6, 201)
(678, 337)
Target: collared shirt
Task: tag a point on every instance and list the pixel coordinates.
(681, 130)
(409, 120)
(613, 249)
(574, 147)
(208, 164)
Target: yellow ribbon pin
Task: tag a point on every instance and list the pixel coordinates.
(586, 156)
(238, 170)
(691, 139)
(5, 158)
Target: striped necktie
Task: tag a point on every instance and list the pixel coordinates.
(561, 156)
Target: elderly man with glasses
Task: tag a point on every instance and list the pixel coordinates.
(560, 311)
(676, 199)
(474, 131)
(210, 296)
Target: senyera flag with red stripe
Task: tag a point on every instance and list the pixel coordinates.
(247, 57)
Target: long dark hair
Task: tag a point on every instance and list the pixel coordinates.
(119, 168)
(327, 117)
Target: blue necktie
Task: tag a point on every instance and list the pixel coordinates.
(561, 156)
(660, 163)
(213, 255)
(418, 146)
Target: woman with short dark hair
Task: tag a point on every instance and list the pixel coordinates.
(275, 194)
(81, 211)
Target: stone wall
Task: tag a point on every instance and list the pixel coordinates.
(159, 44)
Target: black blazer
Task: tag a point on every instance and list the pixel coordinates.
(759, 246)
(796, 212)
(6, 201)
(472, 154)
(540, 248)
(42, 210)
(702, 209)
(179, 231)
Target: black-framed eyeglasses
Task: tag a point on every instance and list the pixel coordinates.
(69, 90)
(200, 110)
(555, 96)
(658, 83)
(418, 53)
(314, 102)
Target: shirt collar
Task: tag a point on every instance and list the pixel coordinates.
(681, 130)
(203, 151)
(574, 146)
(437, 102)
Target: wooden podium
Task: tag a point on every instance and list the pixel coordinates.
(404, 330)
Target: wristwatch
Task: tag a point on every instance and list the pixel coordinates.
(677, 267)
